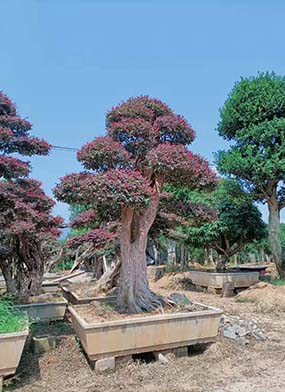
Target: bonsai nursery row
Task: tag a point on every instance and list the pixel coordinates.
(141, 188)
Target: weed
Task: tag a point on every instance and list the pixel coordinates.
(11, 319)
(278, 282)
(245, 299)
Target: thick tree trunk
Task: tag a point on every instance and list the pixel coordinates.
(236, 260)
(29, 282)
(274, 236)
(221, 263)
(29, 268)
(262, 256)
(7, 271)
(134, 294)
(23, 273)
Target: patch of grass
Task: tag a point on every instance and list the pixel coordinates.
(11, 319)
(175, 268)
(278, 282)
(55, 328)
(245, 299)
(107, 306)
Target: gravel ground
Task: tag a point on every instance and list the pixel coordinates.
(224, 366)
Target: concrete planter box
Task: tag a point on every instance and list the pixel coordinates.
(49, 287)
(11, 348)
(151, 333)
(155, 272)
(45, 311)
(74, 299)
(216, 280)
(261, 269)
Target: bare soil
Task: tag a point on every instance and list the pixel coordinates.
(224, 366)
(89, 290)
(97, 313)
(266, 297)
(42, 298)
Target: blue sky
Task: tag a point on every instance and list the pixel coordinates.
(66, 62)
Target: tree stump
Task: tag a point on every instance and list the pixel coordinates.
(228, 289)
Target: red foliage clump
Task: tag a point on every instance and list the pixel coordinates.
(98, 237)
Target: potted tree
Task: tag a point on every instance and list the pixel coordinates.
(239, 223)
(144, 148)
(26, 222)
(252, 118)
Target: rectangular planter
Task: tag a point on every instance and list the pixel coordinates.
(150, 333)
(74, 299)
(261, 269)
(155, 272)
(217, 280)
(49, 287)
(11, 348)
(45, 311)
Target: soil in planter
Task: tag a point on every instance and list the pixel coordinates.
(99, 313)
(87, 290)
(42, 298)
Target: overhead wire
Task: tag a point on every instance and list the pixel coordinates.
(73, 149)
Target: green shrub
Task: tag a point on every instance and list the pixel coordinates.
(11, 319)
(278, 282)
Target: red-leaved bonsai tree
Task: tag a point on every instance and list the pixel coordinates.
(26, 222)
(145, 147)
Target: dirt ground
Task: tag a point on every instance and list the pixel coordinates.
(224, 366)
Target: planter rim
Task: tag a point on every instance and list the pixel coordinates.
(47, 283)
(253, 273)
(209, 311)
(34, 305)
(76, 296)
(253, 266)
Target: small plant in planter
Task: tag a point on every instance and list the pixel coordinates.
(14, 330)
(11, 319)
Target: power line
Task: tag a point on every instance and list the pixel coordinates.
(61, 148)
(73, 149)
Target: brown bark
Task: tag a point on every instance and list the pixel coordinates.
(225, 251)
(274, 235)
(98, 267)
(109, 279)
(29, 267)
(134, 294)
(7, 271)
(221, 263)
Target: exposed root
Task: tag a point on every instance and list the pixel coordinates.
(146, 301)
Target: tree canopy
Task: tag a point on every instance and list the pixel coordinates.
(253, 117)
(125, 171)
(238, 222)
(25, 210)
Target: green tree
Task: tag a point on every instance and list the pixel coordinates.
(253, 117)
(238, 222)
